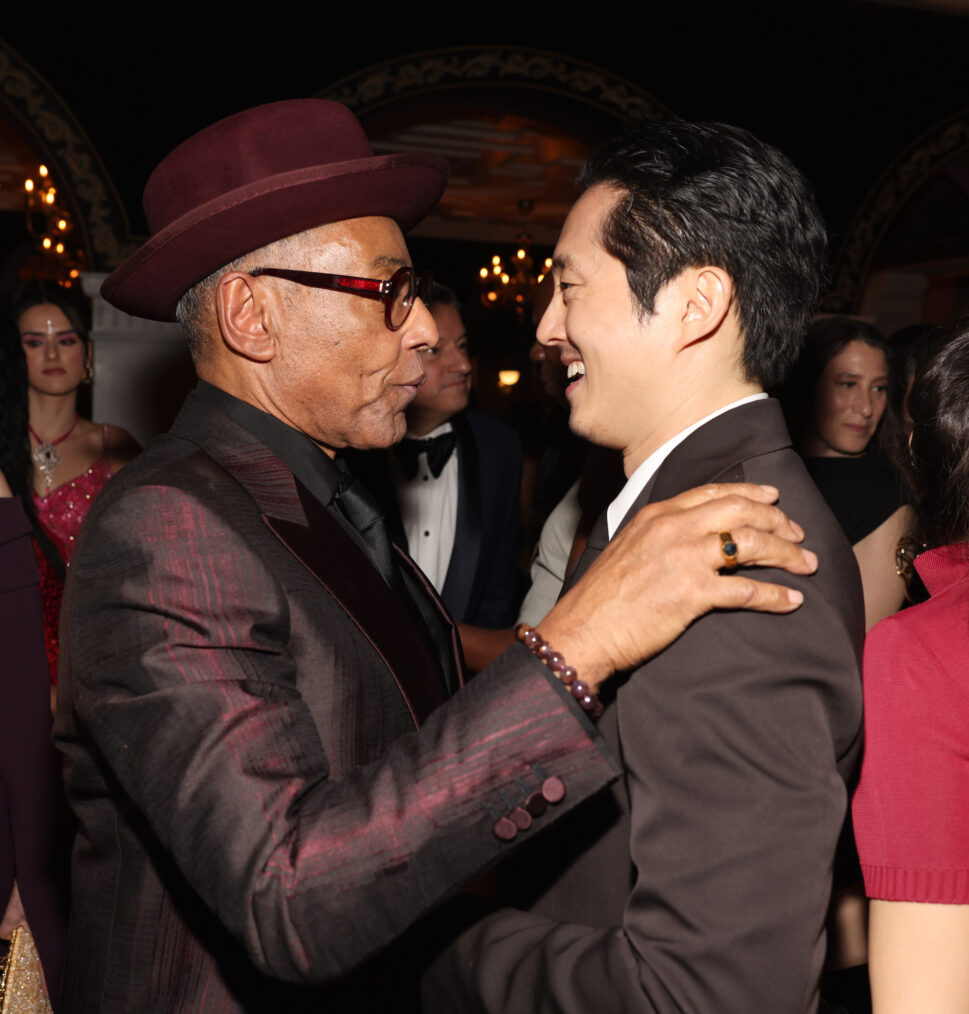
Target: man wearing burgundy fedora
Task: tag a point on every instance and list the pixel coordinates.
(273, 789)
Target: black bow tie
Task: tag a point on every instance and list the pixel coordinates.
(438, 449)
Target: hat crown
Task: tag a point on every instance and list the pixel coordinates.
(251, 147)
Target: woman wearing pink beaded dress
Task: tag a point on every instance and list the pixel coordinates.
(73, 457)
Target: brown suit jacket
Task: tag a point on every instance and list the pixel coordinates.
(239, 715)
(700, 881)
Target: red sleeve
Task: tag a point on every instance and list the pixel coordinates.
(910, 810)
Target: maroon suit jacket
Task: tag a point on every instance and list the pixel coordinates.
(700, 882)
(239, 714)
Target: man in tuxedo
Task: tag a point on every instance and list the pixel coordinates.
(685, 275)
(270, 789)
(451, 488)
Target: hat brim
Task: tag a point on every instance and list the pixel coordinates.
(404, 187)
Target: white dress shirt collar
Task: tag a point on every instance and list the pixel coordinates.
(636, 483)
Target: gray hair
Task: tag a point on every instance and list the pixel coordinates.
(195, 311)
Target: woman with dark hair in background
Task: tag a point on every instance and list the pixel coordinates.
(910, 810)
(72, 457)
(835, 401)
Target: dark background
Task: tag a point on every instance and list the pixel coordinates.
(842, 88)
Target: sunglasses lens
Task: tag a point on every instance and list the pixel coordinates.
(402, 298)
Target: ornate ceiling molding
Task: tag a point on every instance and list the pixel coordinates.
(27, 100)
(883, 203)
(438, 70)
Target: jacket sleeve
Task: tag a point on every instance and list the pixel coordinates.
(183, 679)
(731, 749)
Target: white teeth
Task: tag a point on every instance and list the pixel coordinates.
(575, 370)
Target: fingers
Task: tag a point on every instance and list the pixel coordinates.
(758, 548)
(741, 592)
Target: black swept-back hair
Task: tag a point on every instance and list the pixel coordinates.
(709, 193)
(939, 463)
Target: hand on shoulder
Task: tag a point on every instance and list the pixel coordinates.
(665, 569)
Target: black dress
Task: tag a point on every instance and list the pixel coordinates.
(862, 492)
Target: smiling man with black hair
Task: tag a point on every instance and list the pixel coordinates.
(685, 275)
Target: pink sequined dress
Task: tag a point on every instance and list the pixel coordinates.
(60, 513)
(63, 509)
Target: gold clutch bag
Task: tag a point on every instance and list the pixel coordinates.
(21, 980)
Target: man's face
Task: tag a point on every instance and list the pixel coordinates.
(617, 362)
(445, 391)
(338, 373)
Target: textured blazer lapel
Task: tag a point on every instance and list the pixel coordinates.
(341, 567)
(321, 544)
(459, 582)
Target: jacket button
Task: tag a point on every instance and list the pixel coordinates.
(521, 818)
(553, 789)
(505, 829)
(536, 804)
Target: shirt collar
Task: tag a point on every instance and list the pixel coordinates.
(636, 483)
(309, 463)
(445, 427)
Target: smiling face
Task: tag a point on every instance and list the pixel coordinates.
(618, 362)
(54, 350)
(849, 402)
(445, 391)
(338, 374)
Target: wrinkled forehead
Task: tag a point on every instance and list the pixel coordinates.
(372, 244)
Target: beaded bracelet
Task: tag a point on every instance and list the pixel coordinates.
(542, 650)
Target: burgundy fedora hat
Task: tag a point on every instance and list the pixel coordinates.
(256, 177)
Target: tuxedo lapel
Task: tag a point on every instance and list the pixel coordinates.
(463, 566)
(322, 547)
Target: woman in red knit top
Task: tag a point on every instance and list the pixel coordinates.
(911, 809)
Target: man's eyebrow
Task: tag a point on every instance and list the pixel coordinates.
(387, 261)
(562, 261)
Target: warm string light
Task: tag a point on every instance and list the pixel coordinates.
(50, 224)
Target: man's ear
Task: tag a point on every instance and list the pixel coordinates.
(241, 305)
(707, 296)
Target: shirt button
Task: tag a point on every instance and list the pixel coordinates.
(426, 534)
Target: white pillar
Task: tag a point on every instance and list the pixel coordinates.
(142, 369)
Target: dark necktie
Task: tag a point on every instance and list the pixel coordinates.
(355, 502)
(438, 449)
